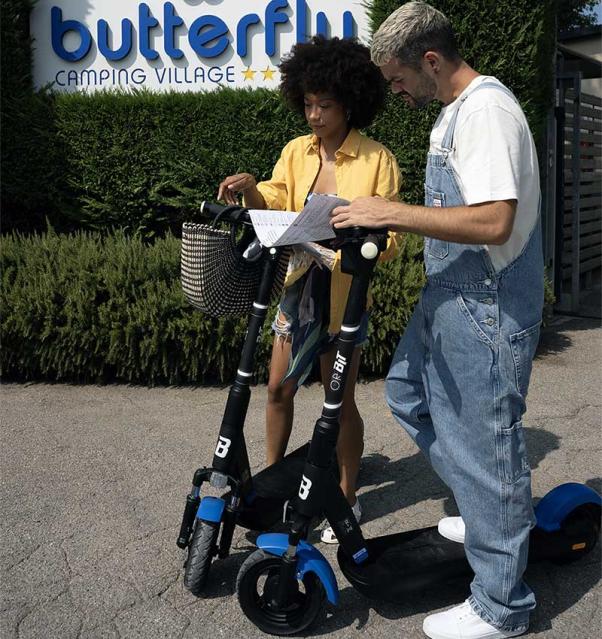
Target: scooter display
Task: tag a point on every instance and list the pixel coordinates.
(254, 502)
(282, 585)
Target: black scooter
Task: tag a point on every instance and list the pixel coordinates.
(282, 585)
(254, 502)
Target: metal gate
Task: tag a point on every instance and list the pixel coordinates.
(578, 231)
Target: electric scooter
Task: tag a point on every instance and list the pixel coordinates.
(282, 585)
(254, 502)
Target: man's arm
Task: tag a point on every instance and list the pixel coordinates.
(486, 223)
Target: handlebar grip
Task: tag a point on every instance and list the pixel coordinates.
(211, 210)
(232, 214)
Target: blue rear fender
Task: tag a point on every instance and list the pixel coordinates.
(560, 502)
(309, 560)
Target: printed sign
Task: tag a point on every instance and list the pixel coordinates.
(190, 45)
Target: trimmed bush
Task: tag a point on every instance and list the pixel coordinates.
(31, 159)
(138, 160)
(95, 308)
(15, 53)
(105, 305)
(141, 161)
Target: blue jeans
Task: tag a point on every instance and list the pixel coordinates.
(457, 386)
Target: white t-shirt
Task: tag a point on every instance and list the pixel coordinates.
(494, 159)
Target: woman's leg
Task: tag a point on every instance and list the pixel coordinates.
(280, 406)
(350, 444)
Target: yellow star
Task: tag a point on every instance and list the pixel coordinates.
(249, 73)
(268, 74)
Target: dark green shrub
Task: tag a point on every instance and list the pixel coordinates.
(15, 52)
(136, 161)
(30, 156)
(141, 161)
(97, 308)
(104, 308)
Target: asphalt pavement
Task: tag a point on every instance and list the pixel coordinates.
(94, 480)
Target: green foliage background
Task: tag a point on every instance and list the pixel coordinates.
(96, 308)
(118, 173)
(140, 161)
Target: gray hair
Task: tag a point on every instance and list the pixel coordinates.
(410, 31)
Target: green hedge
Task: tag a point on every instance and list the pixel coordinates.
(30, 157)
(141, 161)
(138, 160)
(15, 52)
(93, 308)
(102, 306)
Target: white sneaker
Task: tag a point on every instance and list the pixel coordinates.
(462, 622)
(452, 528)
(328, 536)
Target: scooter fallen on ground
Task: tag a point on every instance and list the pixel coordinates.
(282, 585)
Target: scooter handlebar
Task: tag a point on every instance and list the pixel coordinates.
(232, 214)
(372, 243)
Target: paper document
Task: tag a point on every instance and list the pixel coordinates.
(280, 228)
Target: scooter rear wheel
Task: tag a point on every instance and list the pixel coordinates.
(200, 554)
(582, 527)
(256, 585)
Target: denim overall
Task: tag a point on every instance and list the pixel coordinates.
(458, 384)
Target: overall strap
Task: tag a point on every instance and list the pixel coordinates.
(448, 138)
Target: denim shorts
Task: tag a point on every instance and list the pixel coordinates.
(289, 308)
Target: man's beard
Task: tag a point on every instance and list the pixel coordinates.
(424, 93)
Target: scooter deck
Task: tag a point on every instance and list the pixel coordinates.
(272, 487)
(281, 480)
(405, 562)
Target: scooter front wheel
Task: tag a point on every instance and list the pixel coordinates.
(200, 554)
(257, 585)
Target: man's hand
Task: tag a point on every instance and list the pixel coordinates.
(371, 212)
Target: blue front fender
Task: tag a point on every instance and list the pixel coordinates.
(211, 509)
(553, 509)
(309, 560)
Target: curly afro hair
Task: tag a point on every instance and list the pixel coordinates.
(341, 67)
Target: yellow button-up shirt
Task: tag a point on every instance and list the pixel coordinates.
(363, 167)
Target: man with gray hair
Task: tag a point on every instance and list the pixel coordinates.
(460, 374)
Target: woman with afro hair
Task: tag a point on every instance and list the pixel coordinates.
(336, 87)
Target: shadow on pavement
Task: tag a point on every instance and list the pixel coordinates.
(556, 587)
(553, 338)
(410, 480)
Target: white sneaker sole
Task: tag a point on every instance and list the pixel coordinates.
(452, 536)
(442, 634)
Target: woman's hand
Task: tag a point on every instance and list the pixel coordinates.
(239, 183)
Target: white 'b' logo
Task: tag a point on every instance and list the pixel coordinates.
(304, 488)
(223, 444)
